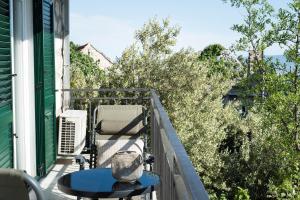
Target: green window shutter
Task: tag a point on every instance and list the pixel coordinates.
(45, 85)
(49, 84)
(6, 141)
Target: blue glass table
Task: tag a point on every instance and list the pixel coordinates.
(99, 183)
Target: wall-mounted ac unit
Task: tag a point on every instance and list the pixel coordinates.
(72, 132)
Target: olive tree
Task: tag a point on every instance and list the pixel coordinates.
(190, 92)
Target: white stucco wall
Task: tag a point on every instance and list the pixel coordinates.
(24, 91)
(62, 53)
(23, 83)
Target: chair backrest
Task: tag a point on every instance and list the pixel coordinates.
(120, 119)
(12, 185)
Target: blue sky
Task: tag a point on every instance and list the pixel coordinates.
(110, 25)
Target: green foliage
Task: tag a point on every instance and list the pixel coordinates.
(250, 156)
(289, 188)
(242, 194)
(238, 157)
(85, 73)
(274, 155)
(211, 52)
(256, 27)
(283, 104)
(185, 84)
(157, 39)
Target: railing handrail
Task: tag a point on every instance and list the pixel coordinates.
(190, 177)
(106, 90)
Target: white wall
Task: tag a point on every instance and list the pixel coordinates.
(62, 53)
(24, 86)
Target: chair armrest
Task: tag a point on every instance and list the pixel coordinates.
(145, 113)
(80, 159)
(149, 159)
(34, 184)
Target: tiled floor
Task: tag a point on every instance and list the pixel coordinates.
(62, 166)
(49, 183)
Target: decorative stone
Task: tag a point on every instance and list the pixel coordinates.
(127, 166)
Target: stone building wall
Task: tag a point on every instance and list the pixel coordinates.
(103, 61)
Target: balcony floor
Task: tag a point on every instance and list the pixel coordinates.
(63, 166)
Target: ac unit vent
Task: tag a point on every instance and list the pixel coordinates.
(67, 137)
(72, 132)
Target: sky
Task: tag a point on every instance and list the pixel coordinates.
(110, 25)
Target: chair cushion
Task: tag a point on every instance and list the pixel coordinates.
(12, 185)
(120, 119)
(111, 127)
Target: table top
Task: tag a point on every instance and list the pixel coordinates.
(99, 183)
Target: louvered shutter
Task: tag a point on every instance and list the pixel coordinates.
(6, 142)
(45, 85)
(49, 84)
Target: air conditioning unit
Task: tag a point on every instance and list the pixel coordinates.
(72, 132)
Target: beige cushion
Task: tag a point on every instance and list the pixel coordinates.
(111, 127)
(12, 185)
(120, 119)
(119, 128)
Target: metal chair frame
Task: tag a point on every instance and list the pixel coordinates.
(94, 151)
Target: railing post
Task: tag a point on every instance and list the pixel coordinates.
(181, 192)
(90, 131)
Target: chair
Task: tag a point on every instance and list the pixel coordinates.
(14, 185)
(117, 128)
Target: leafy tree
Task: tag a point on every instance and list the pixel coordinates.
(283, 103)
(211, 51)
(255, 30)
(274, 157)
(288, 36)
(191, 93)
(242, 194)
(85, 73)
(253, 156)
(141, 63)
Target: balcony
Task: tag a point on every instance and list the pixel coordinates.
(179, 179)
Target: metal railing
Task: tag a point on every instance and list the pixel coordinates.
(178, 176)
(179, 180)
